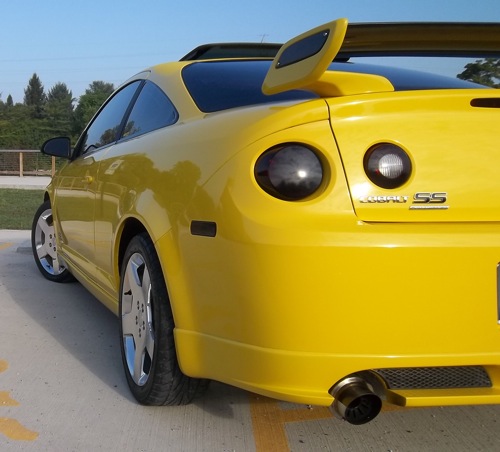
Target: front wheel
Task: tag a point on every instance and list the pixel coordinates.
(146, 331)
(43, 244)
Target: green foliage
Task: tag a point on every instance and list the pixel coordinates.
(59, 110)
(34, 97)
(485, 72)
(90, 102)
(17, 207)
(42, 116)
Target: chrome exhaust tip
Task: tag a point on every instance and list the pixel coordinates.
(355, 401)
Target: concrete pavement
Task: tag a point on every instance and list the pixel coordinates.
(25, 182)
(62, 388)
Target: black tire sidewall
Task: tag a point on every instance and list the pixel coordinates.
(164, 367)
(64, 276)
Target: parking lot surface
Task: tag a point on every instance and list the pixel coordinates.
(62, 388)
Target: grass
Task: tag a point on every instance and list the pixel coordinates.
(18, 206)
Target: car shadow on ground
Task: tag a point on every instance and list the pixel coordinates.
(71, 315)
(87, 330)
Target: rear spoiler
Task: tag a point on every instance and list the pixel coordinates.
(474, 40)
(422, 39)
(225, 50)
(302, 62)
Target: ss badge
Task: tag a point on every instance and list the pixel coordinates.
(429, 201)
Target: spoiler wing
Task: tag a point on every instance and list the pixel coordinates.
(475, 40)
(302, 61)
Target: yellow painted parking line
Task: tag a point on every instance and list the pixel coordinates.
(5, 245)
(12, 428)
(7, 400)
(269, 419)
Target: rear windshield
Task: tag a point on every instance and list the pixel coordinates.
(221, 85)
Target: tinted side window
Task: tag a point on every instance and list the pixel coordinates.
(151, 111)
(106, 126)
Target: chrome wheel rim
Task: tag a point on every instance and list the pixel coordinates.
(45, 244)
(137, 319)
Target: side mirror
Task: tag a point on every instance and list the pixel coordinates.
(57, 147)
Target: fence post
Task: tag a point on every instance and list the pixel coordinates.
(14, 166)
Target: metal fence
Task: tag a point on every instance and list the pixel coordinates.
(26, 163)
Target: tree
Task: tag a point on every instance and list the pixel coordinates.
(485, 72)
(19, 130)
(34, 96)
(59, 109)
(60, 93)
(41, 116)
(89, 103)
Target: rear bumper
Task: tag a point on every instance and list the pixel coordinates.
(291, 318)
(307, 377)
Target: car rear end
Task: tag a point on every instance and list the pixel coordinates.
(390, 285)
(380, 282)
(421, 167)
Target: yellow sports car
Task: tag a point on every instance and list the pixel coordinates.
(322, 233)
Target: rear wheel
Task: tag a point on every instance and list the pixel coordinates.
(43, 244)
(146, 331)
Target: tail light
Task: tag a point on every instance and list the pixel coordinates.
(387, 165)
(290, 172)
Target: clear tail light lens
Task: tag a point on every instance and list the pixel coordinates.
(387, 165)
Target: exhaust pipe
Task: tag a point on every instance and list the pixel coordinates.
(355, 401)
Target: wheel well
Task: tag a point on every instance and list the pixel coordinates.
(131, 228)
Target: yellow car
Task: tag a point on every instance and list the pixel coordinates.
(322, 233)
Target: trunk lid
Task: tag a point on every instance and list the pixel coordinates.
(452, 139)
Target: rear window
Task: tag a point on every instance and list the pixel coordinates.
(221, 85)
(406, 79)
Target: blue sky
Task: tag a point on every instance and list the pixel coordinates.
(77, 42)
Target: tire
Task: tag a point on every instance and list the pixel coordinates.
(146, 331)
(43, 245)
